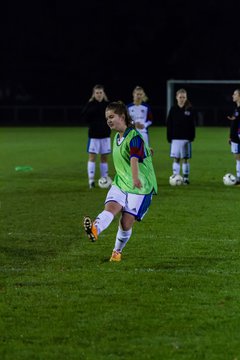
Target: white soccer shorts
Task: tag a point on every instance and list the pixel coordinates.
(235, 148)
(181, 149)
(99, 146)
(134, 204)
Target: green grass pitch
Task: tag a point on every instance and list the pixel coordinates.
(175, 295)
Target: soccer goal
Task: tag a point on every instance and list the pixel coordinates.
(212, 98)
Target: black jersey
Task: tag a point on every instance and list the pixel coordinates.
(93, 115)
(235, 126)
(181, 123)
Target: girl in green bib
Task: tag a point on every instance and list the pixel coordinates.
(134, 183)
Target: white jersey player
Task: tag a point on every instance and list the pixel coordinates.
(140, 112)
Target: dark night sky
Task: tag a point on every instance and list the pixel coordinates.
(56, 53)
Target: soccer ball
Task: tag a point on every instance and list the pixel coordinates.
(229, 179)
(104, 182)
(175, 180)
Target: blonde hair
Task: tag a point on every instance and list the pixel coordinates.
(98, 87)
(140, 88)
(181, 91)
(187, 102)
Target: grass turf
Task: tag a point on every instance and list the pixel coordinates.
(174, 296)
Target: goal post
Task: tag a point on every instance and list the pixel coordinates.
(171, 88)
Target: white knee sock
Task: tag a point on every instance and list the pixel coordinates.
(238, 168)
(185, 169)
(176, 168)
(122, 239)
(104, 169)
(91, 170)
(103, 220)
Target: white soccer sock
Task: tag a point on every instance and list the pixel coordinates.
(103, 220)
(122, 239)
(238, 168)
(91, 166)
(104, 169)
(185, 169)
(176, 168)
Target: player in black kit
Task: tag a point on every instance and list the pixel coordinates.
(181, 123)
(99, 141)
(235, 132)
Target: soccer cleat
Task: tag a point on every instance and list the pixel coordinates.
(90, 228)
(116, 256)
(186, 181)
(237, 181)
(92, 185)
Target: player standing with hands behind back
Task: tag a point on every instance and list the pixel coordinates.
(134, 183)
(181, 122)
(99, 141)
(235, 132)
